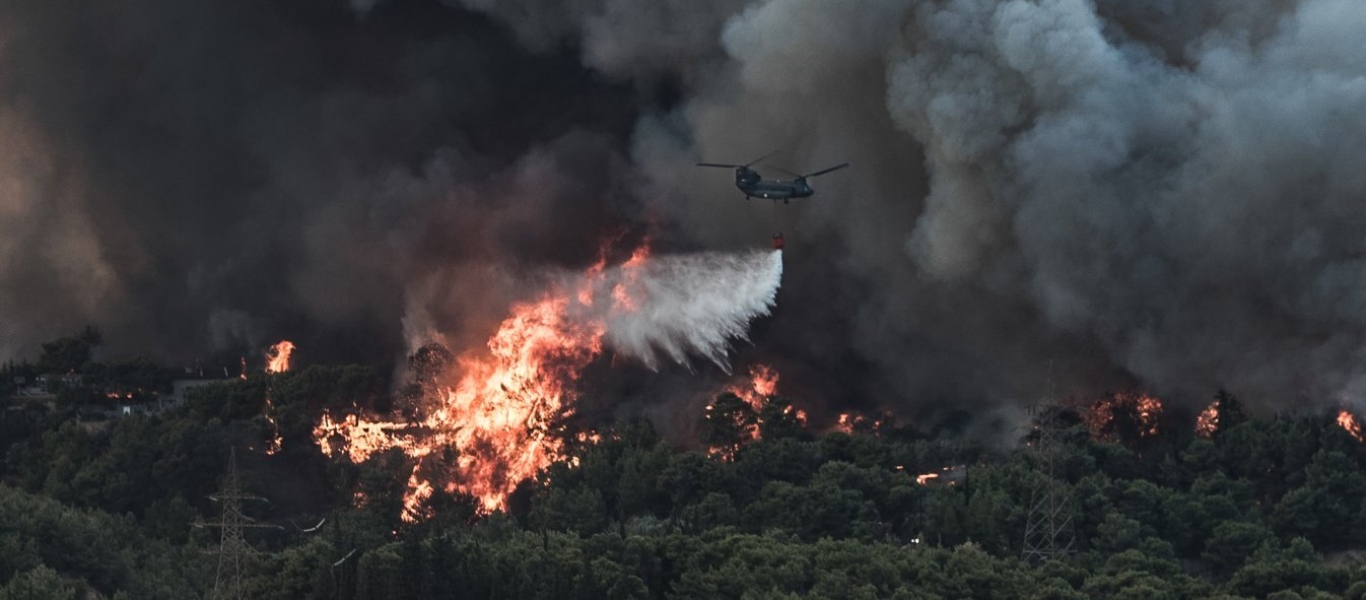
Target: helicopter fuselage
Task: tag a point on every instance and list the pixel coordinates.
(753, 186)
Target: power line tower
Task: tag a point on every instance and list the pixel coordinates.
(1048, 530)
(232, 548)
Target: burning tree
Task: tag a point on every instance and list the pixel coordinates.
(1221, 415)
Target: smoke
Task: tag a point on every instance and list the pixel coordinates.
(206, 176)
(1144, 193)
(693, 304)
(1149, 194)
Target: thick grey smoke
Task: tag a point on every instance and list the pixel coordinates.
(1153, 193)
(1138, 192)
(198, 176)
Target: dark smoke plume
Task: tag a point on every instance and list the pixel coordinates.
(1142, 193)
(216, 175)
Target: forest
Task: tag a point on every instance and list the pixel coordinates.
(1259, 506)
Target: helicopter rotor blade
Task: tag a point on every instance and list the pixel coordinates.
(784, 171)
(824, 171)
(760, 158)
(719, 165)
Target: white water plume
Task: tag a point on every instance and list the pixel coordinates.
(674, 306)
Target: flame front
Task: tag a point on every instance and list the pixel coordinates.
(501, 416)
(495, 416)
(501, 413)
(1348, 422)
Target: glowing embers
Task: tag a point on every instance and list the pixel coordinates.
(852, 423)
(1208, 421)
(1348, 422)
(948, 476)
(1123, 416)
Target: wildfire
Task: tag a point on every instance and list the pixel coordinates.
(277, 361)
(1348, 422)
(756, 392)
(950, 475)
(623, 294)
(762, 385)
(1144, 410)
(856, 423)
(501, 417)
(1208, 421)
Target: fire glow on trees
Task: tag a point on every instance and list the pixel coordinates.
(277, 361)
(761, 385)
(499, 417)
(852, 423)
(755, 393)
(1208, 421)
(1144, 410)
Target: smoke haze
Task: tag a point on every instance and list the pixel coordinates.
(1143, 193)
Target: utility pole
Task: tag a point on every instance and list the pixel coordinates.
(233, 549)
(1048, 530)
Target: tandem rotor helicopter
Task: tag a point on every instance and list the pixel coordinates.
(754, 186)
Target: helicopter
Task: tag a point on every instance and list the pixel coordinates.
(754, 186)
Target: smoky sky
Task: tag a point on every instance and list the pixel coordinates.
(206, 175)
(1106, 194)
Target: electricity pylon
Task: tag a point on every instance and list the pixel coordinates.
(232, 548)
(1048, 530)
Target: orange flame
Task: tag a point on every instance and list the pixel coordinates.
(1348, 422)
(1208, 421)
(762, 385)
(501, 416)
(623, 293)
(277, 359)
(1146, 410)
(756, 392)
(851, 423)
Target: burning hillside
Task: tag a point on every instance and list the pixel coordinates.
(494, 416)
